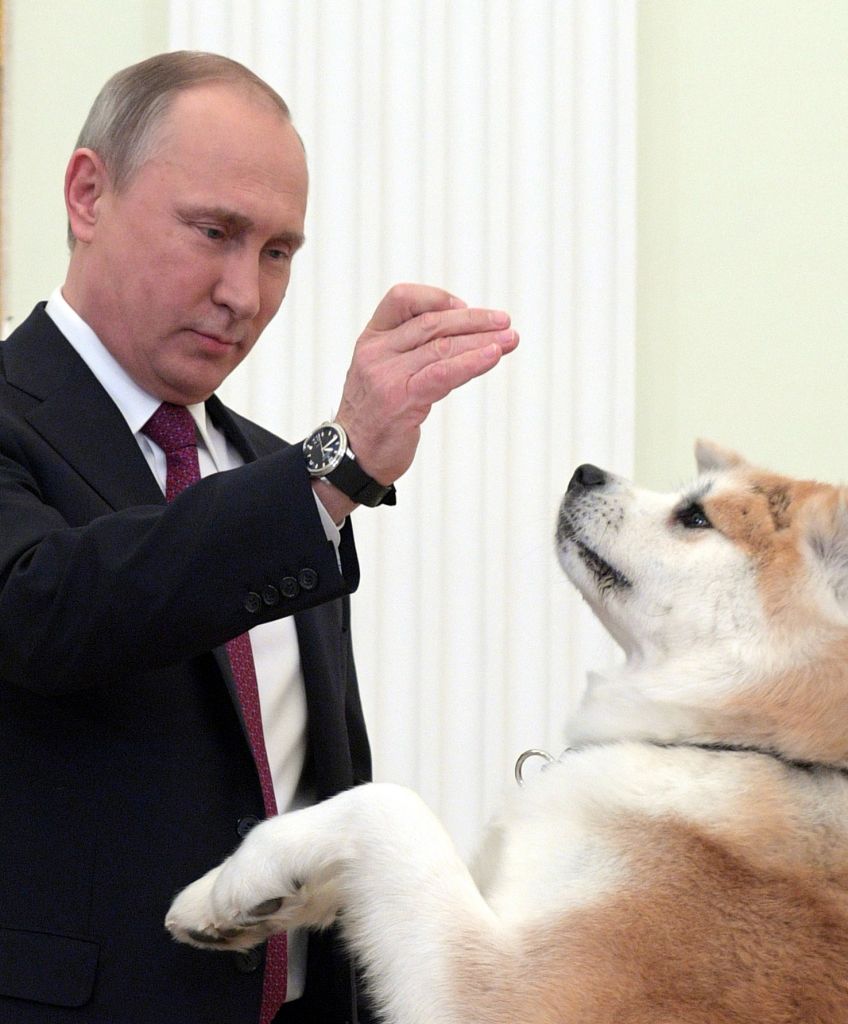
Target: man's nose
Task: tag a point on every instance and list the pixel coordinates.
(237, 287)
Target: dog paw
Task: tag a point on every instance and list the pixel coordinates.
(265, 887)
(229, 909)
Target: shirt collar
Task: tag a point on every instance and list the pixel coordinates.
(135, 404)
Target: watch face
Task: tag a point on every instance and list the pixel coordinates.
(324, 449)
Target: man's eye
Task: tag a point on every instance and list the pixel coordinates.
(214, 233)
(279, 254)
(693, 517)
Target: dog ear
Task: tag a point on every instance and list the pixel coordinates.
(710, 455)
(826, 530)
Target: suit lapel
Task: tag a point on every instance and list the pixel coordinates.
(74, 414)
(226, 422)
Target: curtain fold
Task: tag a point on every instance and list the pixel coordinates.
(489, 148)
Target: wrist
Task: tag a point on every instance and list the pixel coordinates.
(338, 505)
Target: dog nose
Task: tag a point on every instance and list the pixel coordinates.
(586, 476)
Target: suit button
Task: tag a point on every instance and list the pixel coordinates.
(289, 586)
(247, 961)
(270, 595)
(308, 579)
(245, 824)
(253, 602)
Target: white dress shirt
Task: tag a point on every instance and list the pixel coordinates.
(279, 677)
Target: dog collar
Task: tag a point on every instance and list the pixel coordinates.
(733, 748)
(738, 748)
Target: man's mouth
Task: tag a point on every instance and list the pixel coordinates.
(214, 339)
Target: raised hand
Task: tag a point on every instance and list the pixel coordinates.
(420, 344)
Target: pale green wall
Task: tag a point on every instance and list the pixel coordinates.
(743, 209)
(743, 234)
(58, 54)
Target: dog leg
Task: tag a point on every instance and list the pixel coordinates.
(379, 857)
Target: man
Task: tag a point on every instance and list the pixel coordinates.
(130, 759)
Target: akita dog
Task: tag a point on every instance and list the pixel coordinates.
(685, 860)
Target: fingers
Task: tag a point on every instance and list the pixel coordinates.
(404, 302)
(438, 377)
(411, 315)
(444, 327)
(446, 348)
(433, 324)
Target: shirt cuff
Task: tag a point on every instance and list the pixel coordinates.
(333, 532)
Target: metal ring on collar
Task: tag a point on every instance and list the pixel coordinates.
(523, 758)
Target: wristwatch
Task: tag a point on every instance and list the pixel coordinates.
(328, 457)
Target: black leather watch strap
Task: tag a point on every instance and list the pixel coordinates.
(353, 481)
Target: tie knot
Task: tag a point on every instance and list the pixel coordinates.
(171, 427)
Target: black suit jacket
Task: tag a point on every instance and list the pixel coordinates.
(124, 770)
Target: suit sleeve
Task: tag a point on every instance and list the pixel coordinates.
(154, 584)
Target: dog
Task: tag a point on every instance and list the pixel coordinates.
(685, 860)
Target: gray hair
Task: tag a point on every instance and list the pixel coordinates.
(121, 125)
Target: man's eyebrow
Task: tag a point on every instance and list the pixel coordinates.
(293, 239)
(218, 213)
(238, 222)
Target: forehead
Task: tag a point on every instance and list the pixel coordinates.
(231, 136)
(207, 105)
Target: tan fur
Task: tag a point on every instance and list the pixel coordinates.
(767, 517)
(803, 712)
(699, 935)
(762, 517)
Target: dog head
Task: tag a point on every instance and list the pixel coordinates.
(729, 599)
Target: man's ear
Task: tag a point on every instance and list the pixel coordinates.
(85, 182)
(710, 455)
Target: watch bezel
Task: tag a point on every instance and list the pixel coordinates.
(335, 459)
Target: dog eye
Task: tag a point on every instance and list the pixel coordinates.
(693, 517)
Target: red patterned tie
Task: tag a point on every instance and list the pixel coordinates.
(172, 428)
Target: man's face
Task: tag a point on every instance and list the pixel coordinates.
(185, 266)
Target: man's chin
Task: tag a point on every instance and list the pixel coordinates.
(190, 388)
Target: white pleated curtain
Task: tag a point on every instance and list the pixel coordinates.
(487, 148)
